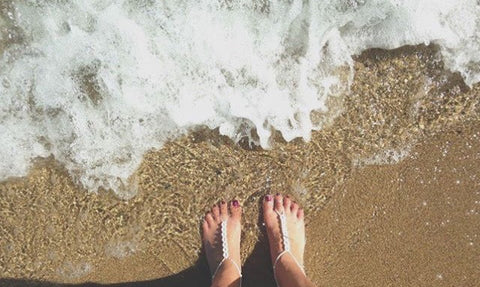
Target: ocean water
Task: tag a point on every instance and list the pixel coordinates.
(98, 83)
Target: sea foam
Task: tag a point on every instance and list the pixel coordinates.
(97, 83)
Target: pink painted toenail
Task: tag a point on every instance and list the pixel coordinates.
(235, 203)
(268, 197)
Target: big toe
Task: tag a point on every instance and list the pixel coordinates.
(268, 204)
(235, 209)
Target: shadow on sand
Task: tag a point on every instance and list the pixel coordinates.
(257, 271)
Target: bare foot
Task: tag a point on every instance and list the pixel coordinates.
(289, 268)
(212, 240)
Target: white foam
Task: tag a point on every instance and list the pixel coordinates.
(388, 156)
(74, 270)
(160, 68)
(121, 249)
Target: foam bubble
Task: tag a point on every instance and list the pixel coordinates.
(97, 83)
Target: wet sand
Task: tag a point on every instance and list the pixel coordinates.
(371, 221)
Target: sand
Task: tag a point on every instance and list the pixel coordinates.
(390, 188)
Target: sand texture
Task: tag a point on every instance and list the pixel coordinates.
(370, 220)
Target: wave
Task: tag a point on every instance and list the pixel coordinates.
(98, 83)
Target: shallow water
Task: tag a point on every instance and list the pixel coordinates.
(97, 84)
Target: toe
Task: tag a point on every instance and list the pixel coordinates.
(205, 226)
(278, 202)
(287, 202)
(223, 210)
(235, 209)
(209, 219)
(294, 207)
(216, 213)
(268, 204)
(300, 214)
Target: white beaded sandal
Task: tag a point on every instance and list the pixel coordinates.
(226, 256)
(286, 245)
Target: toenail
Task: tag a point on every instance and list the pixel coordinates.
(287, 196)
(268, 197)
(278, 194)
(223, 202)
(235, 203)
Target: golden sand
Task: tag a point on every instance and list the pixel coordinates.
(370, 221)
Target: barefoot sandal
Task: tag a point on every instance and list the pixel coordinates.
(286, 245)
(226, 256)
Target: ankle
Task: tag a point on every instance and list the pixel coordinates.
(287, 268)
(227, 283)
(227, 275)
(288, 262)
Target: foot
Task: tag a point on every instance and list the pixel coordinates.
(295, 226)
(212, 240)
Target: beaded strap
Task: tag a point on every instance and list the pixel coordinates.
(224, 238)
(284, 231)
(226, 255)
(286, 245)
